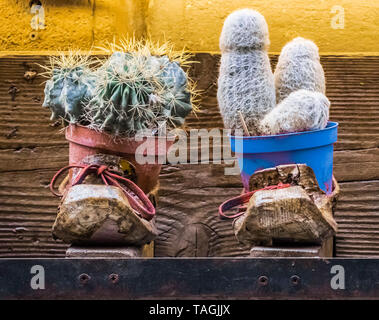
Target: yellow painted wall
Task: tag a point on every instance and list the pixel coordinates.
(194, 24)
(69, 23)
(197, 24)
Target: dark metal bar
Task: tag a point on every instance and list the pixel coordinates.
(173, 278)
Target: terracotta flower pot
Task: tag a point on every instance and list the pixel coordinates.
(85, 142)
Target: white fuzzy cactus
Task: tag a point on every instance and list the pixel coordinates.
(298, 68)
(246, 83)
(302, 110)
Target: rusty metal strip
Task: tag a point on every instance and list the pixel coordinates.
(178, 278)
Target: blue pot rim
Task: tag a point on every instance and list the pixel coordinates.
(287, 142)
(330, 126)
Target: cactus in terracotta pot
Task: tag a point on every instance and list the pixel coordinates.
(245, 83)
(298, 68)
(302, 110)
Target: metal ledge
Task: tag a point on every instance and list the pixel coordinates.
(184, 278)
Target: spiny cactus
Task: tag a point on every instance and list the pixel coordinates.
(135, 91)
(298, 68)
(71, 83)
(245, 83)
(302, 110)
(66, 92)
(141, 86)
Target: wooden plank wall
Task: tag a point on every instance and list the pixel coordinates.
(32, 149)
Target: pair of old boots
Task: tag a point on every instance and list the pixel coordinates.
(94, 213)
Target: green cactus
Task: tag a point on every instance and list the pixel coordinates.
(66, 91)
(140, 86)
(136, 92)
(70, 82)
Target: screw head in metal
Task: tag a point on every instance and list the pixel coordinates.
(84, 278)
(295, 280)
(113, 277)
(263, 281)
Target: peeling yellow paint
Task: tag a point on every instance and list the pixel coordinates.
(194, 24)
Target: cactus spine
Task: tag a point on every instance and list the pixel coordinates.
(245, 83)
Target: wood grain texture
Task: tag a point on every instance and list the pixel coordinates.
(27, 213)
(187, 215)
(357, 216)
(24, 122)
(321, 251)
(32, 149)
(356, 165)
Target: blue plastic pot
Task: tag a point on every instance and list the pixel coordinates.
(313, 148)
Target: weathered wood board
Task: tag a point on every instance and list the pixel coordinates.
(188, 212)
(316, 251)
(32, 149)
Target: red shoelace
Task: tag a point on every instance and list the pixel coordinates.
(143, 205)
(242, 199)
